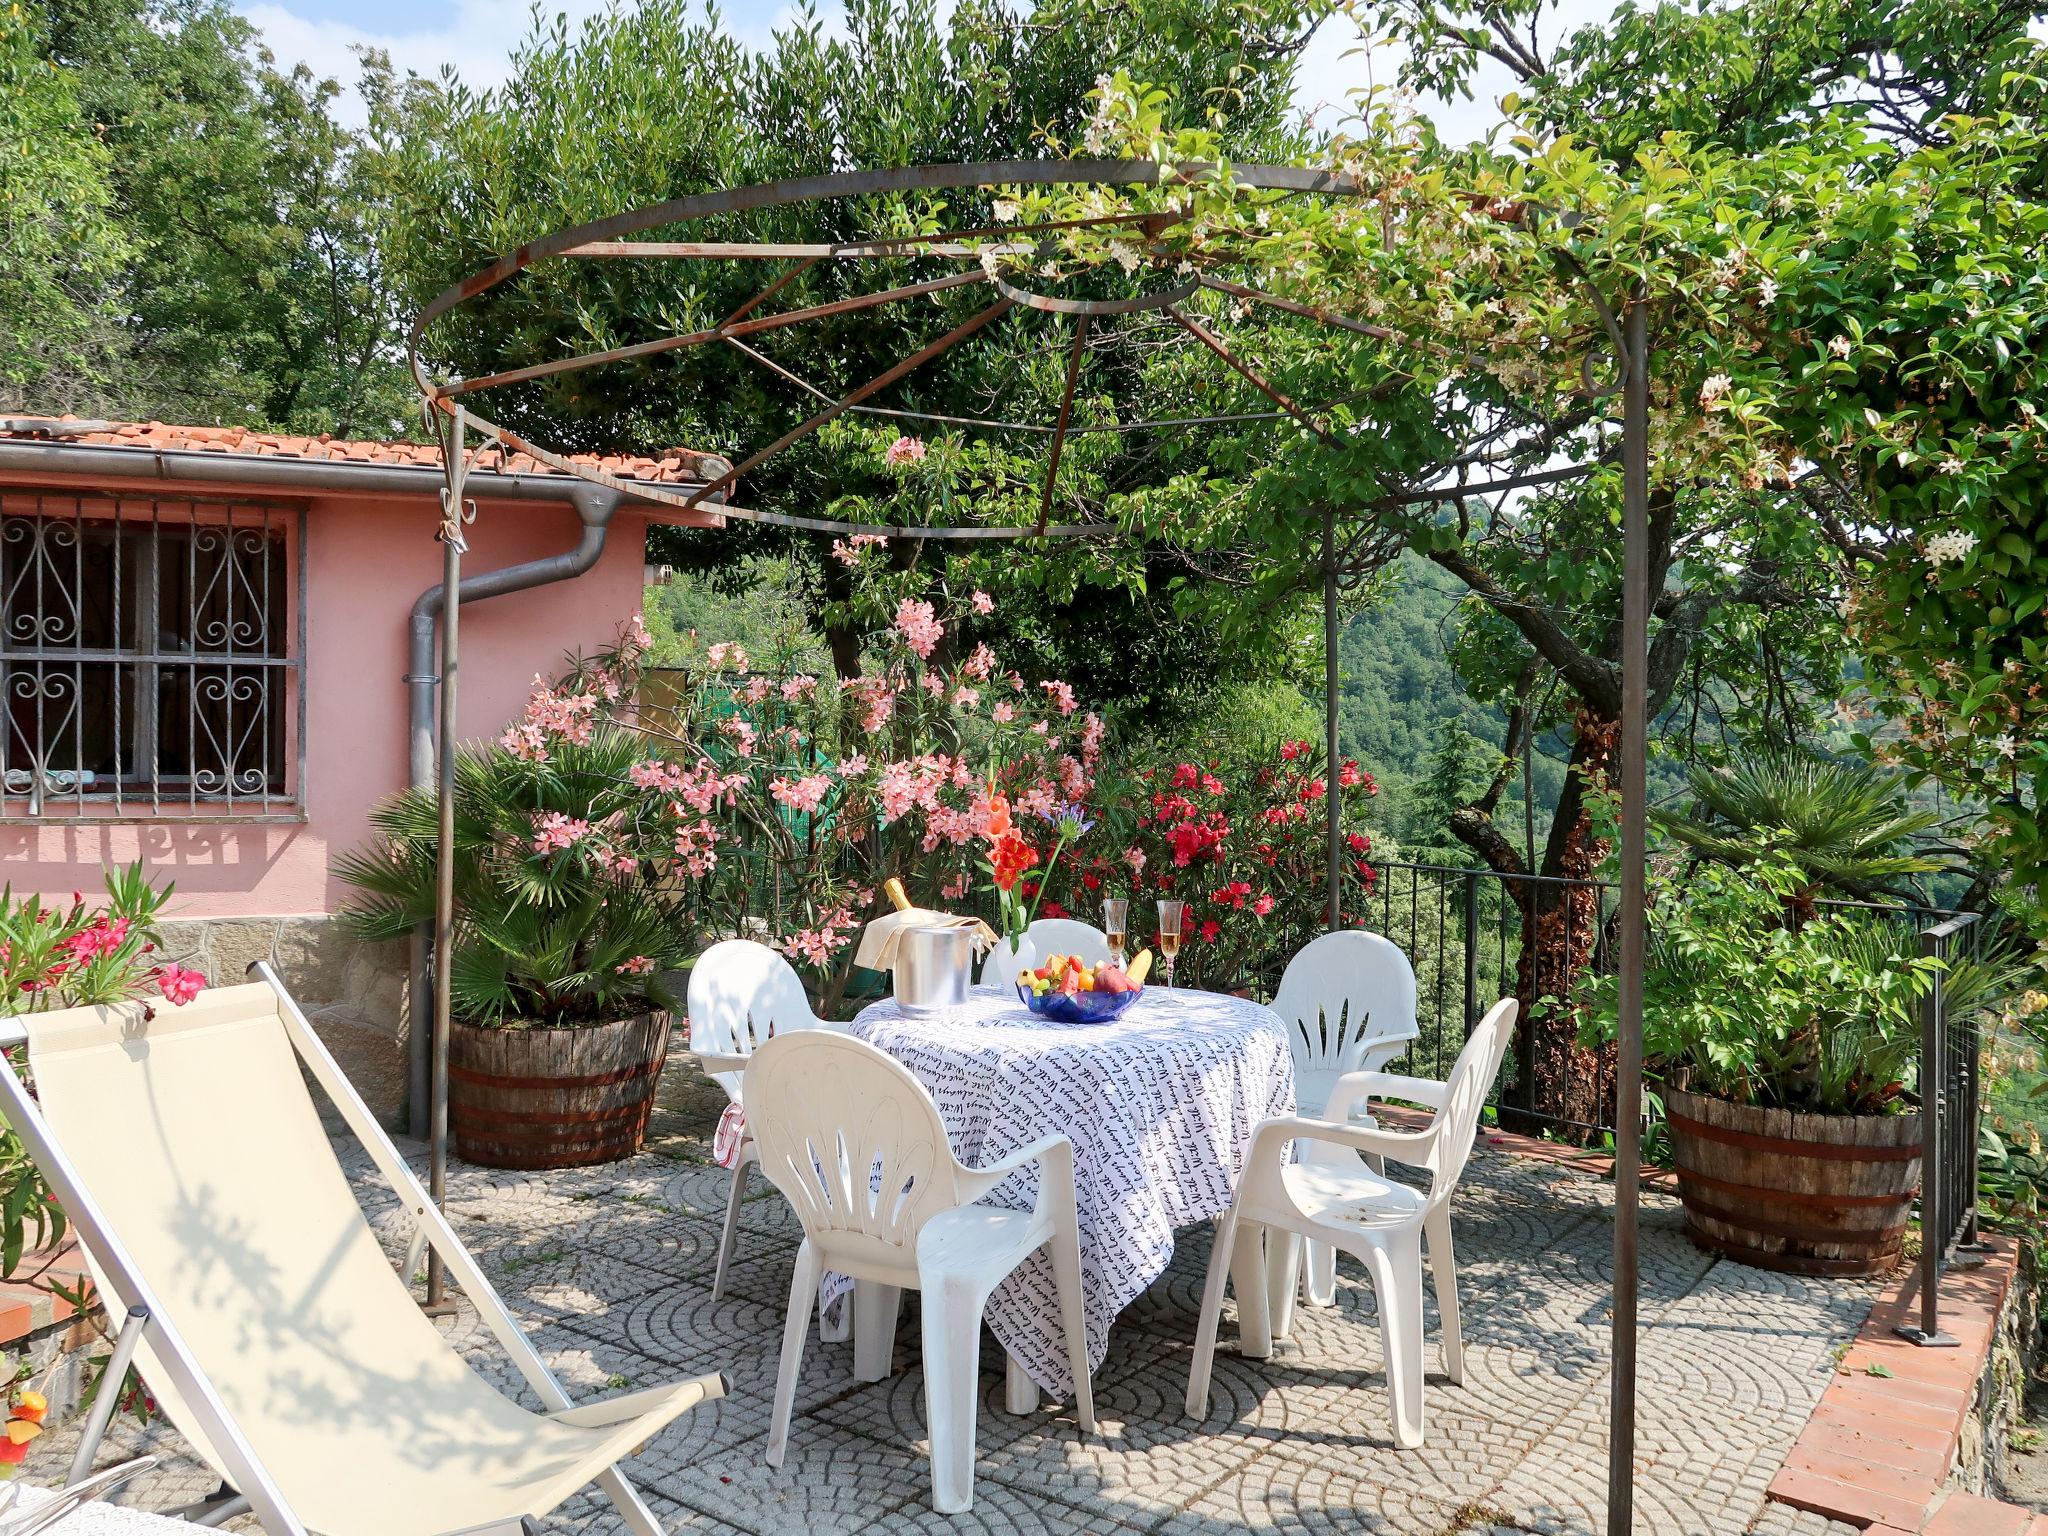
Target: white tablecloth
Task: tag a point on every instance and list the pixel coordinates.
(1160, 1105)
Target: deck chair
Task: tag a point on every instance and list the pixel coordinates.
(186, 1149)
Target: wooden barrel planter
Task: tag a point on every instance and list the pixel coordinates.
(554, 1098)
(1805, 1194)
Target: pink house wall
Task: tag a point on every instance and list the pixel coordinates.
(368, 559)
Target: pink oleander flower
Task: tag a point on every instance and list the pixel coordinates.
(804, 794)
(923, 631)
(697, 846)
(854, 766)
(848, 551)
(655, 774)
(934, 684)
(981, 664)
(982, 602)
(727, 654)
(905, 450)
(954, 888)
(1039, 800)
(1003, 714)
(742, 735)
(1062, 695)
(636, 637)
(639, 965)
(1092, 732)
(756, 691)
(800, 687)
(178, 985)
(898, 791)
(1135, 857)
(1263, 906)
(556, 831)
(967, 698)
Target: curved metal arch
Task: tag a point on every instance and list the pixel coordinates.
(606, 238)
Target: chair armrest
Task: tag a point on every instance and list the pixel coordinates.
(1409, 1147)
(1353, 1090)
(713, 1063)
(1055, 1151)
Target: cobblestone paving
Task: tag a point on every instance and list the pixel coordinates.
(611, 1270)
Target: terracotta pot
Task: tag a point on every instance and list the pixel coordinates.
(554, 1098)
(1804, 1194)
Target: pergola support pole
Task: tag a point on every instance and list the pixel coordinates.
(1333, 815)
(454, 461)
(1628, 1070)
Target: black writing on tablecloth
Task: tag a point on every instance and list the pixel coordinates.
(1160, 1105)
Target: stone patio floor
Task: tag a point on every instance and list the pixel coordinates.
(610, 1268)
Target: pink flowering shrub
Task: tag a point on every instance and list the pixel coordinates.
(61, 956)
(776, 805)
(565, 843)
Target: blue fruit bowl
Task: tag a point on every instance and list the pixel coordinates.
(1082, 1007)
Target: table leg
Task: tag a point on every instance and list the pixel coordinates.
(1020, 1392)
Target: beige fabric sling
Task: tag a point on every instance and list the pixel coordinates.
(194, 1132)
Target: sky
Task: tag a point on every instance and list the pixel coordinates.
(477, 36)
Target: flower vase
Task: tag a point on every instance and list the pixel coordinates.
(1004, 964)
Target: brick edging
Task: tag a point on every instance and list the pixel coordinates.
(1879, 1447)
(27, 1304)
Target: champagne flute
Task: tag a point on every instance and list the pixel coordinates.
(1169, 933)
(1114, 910)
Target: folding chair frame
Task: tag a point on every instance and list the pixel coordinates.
(251, 1481)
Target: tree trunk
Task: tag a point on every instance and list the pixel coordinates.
(1564, 1087)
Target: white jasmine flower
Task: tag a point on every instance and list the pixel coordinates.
(2004, 746)
(1767, 290)
(1127, 256)
(1944, 547)
(1951, 465)
(1006, 210)
(1841, 346)
(1715, 389)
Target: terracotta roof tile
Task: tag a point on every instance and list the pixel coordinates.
(673, 464)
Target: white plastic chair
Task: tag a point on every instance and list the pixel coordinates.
(260, 1308)
(1046, 936)
(856, 1144)
(1332, 1195)
(741, 993)
(1348, 1000)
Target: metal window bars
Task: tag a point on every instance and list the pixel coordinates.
(152, 659)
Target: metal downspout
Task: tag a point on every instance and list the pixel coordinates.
(595, 506)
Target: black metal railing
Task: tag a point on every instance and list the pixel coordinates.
(1951, 1110)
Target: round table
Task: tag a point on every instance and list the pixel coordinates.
(1160, 1105)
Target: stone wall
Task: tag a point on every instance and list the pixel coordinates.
(353, 992)
(1999, 1405)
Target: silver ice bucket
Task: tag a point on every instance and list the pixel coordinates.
(933, 969)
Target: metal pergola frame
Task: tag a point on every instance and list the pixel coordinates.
(1623, 319)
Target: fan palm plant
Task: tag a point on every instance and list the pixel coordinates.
(1846, 825)
(560, 917)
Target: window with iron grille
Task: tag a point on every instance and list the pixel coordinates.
(152, 659)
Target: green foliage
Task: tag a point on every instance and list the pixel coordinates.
(207, 232)
(546, 934)
(656, 102)
(59, 246)
(1844, 824)
(1741, 1004)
